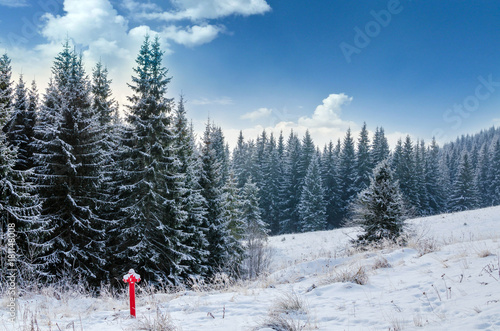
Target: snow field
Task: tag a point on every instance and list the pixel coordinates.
(445, 278)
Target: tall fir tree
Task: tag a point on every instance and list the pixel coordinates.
(220, 243)
(221, 152)
(494, 174)
(307, 153)
(6, 91)
(281, 197)
(106, 111)
(380, 147)
(464, 194)
(363, 161)
(436, 201)
(255, 229)
(240, 160)
(289, 223)
(403, 164)
(232, 207)
(19, 207)
(149, 237)
(483, 178)
(329, 164)
(420, 187)
(312, 207)
(347, 173)
(379, 209)
(190, 199)
(271, 182)
(20, 127)
(68, 173)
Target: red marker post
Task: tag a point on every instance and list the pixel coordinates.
(131, 278)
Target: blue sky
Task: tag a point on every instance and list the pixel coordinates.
(422, 68)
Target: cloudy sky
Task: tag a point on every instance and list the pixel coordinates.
(425, 68)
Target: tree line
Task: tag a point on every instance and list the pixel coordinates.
(93, 195)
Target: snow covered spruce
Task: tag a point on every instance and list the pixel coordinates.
(379, 209)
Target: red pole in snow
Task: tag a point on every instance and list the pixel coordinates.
(131, 278)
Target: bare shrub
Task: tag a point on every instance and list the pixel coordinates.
(220, 281)
(381, 263)
(284, 323)
(159, 322)
(424, 245)
(484, 253)
(288, 313)
(258, 258)
(357, 276)
(290, 303)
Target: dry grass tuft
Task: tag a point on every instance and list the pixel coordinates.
(288, 313)
(160, 322)
(484, 253)
(381, 263)
(357, 276)
(290, 303)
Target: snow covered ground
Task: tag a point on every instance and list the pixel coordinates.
(446, 278)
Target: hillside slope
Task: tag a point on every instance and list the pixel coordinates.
(445, 278)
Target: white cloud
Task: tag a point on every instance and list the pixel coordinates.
(196, 10)
(84, 21)
(259, 113)
(327, 115)
(136, 6)
(13, 3)
(192, 35)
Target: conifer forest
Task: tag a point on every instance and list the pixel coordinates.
(94, 190)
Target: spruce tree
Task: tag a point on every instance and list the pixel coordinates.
(404, 165)
(436, 201)
(232, 208)
(379, 209)
(149, 238)
(6, 90)
(240, 160)
(67, 174)
(494, 174)
(289, 223)
(106, 112)
(270, 190)
(255, 230)
(306, 155)
(347, 173)
(281, 197)
(420, 187)
(363, 161)
(380, 147)
(312, 207)
(220, 243)
(464, 191)
(329, 164)
(20, 127)
(483, 178)
(19, 207)
(190, 199)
